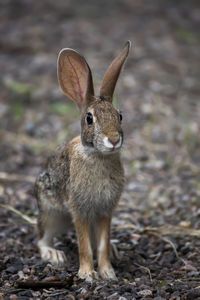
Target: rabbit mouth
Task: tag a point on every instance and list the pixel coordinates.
(105, 146)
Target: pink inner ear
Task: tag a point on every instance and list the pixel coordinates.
(79, 80)
(73, 74)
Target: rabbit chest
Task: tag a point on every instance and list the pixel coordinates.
(96, 182)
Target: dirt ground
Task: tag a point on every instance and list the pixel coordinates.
(156, 226)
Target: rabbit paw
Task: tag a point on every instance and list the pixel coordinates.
(88, 275)
(56, 257)
(107, 272)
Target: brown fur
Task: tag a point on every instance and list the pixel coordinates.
(103, 250)
(83, 179)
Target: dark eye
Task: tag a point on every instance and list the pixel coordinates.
(120, 116)
(89, 118)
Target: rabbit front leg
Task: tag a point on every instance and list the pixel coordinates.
(103, 249)
(86, 269)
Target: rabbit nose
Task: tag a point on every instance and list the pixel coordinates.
(114, 140)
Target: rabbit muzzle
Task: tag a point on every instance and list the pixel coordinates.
(108, 144)
(112, 143)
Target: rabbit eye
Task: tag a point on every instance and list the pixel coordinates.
(120, 116)
(89, 118)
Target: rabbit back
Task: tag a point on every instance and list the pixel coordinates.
(52, 184)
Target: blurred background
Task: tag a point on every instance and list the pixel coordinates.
(158, 94)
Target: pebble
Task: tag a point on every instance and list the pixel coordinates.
(13, 297)
(193, 274)
(83, 291)
(125, 246)
(113, 296)
(185, 224)
(145, 293)
(11, 269)
(21, 274)
(26, 271)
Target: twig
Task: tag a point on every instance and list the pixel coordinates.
(146, 269)
(37, 284)
(169, 242)
(11, 291)
(56, 294)
(16, 177)
(163, 230)
(29, 220)
(190, 279)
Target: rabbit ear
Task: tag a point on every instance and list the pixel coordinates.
(75, 77)
(110, 78)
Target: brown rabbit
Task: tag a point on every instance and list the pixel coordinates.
(84, 178)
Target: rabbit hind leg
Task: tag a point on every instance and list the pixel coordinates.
(51, 225)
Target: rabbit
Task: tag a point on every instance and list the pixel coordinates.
(83, 179)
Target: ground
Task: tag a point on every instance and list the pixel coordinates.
(156, 224)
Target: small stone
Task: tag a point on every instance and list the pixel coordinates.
(25, 294)
(193, 274)
(26, 271)
(185, 224)
(15, 276)
(13, 297)
(113, 296)
(125, 246)
(11, 269)
(32, 271)
(136, 237)
(21, 275)
(83, 291)
(36, 294)
(145, 293)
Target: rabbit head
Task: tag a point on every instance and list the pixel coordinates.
(100, 121)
